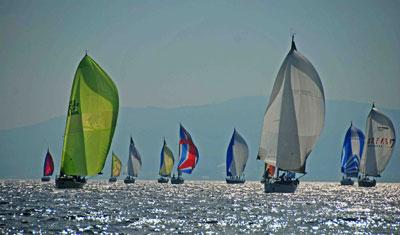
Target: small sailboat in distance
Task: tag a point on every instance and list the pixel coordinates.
(48, 167)
(236, 159)
(188, 155)
(351, 154)
(116, 167)
(134, 163)
(91, 120)
(381, 138)
(166, 164)
(292, 122)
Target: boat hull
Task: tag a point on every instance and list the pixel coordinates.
(45, 178)
(64, 183)
(112, 180)
(347, 181)
(366, 182)
(280, 186)
(129, 180)
(177, 180)
(163, 180)
(235, 181)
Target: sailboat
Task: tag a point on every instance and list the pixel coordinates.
(134, 163)
(116, 166)
(381, 138)
(188, 156)
(48, 167)
(166, 164)
(292, 122)
(351, 154)
(236, 159)
(91, 120)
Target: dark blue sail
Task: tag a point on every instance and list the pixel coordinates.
(352, 150)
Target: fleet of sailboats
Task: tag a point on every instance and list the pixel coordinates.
(91, 120)
(116, 167)
(351, 154)
(236, 159)
(293, 121)
(188, 156)
(134, 164)
(48, 167)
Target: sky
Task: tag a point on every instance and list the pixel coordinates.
(184, 53)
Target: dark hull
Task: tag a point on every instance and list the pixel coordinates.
(163, 180)
(177, 180)
(280, 186)
(366, 182)
(347, 182)
(235, 181)
(112, 180)
(63, 183)
(129, 180)
(45, 178)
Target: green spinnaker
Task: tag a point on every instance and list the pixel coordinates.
(167, 161)
(115, 166)
(91, 120)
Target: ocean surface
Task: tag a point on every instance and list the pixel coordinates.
(197, 207)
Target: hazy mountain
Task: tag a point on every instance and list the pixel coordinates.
(22, 150)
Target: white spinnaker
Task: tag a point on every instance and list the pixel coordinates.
(134, 161)
(380, 139)
(295, 115)
(240, 155)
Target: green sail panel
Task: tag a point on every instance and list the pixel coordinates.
(116, 166)
(167, 161)
(91, 120)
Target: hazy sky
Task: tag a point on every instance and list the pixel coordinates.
(174, 53)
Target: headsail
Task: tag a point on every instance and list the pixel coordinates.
(166, 161)
(381, 138)
(116, 166)
(188, 153)
(48, 164)
(236, 155)
(134, 160)
(352, 150)
(91, 120)
(295, 114)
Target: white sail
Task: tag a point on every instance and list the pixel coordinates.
(381, 138)
(295, 114)
(237, 155)
(134, 160)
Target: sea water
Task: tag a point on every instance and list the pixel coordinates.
(197, 207)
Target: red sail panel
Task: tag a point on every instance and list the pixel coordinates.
(48, 165)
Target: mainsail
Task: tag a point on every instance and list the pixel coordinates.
(188, 153)
(91, 120)
(134, 160)
(381, 138)
(166, 161)
(352, 150)
(48, 167)
(295, 114)
(116, 166)
(236, 155)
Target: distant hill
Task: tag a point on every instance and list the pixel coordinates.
(22, 149)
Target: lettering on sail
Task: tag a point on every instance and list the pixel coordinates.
(381, 142)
